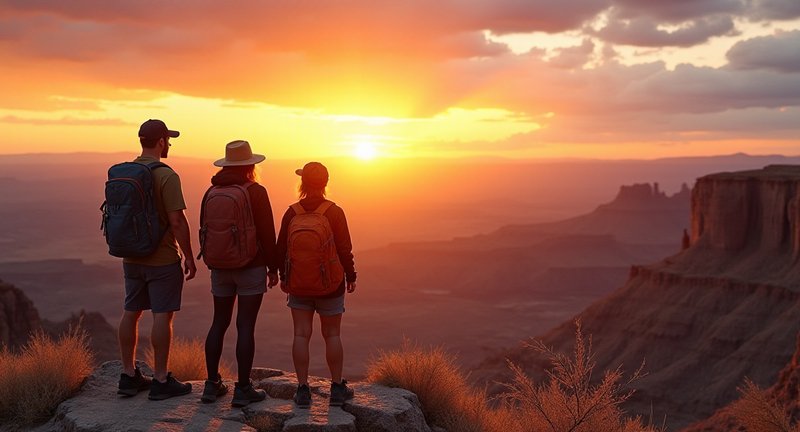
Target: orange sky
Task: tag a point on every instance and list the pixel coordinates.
(507, 78)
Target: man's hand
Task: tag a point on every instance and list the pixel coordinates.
(351, 286)
(273, 279)
(189, 268)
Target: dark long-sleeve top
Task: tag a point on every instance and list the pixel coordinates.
(262, 215)
(341, 236)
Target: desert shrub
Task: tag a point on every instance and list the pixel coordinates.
(42, 375)
(187, 360)
(757, 412)
(568, 400)
(431, 373)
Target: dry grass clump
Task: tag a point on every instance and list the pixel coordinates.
(757, 412)
(446, 398)
(568, 400)
(187, 360)
(42, 375)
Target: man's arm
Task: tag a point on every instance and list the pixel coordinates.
(180, 229)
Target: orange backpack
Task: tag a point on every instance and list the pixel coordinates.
(228, 237)
(312, 263)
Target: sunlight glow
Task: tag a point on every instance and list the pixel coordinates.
(365, 150)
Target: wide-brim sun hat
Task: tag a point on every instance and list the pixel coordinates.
(239, 153)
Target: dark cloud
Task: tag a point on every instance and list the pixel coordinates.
(775, 9)
(678, 11)
(779, 52)
(645, 32)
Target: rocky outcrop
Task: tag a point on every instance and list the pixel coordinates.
(726, 308)
(374, 408)
(18, 317)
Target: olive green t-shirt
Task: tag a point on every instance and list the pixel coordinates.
(169, 197)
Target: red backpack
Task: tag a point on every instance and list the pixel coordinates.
(227, 228)
(312, 263)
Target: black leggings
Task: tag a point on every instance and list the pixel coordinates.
(245, 326)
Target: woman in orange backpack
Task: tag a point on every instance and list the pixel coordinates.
(315, 247)
(237, 242)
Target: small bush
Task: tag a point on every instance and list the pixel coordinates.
(568, 400)
(187, 360)
(44, 374)
(757, 412)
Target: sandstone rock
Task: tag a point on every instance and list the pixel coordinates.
(726, 308)
(18, 317)
(374, 408)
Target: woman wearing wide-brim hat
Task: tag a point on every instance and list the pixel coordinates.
(237, 241)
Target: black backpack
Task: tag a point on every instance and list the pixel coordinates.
(130, 218)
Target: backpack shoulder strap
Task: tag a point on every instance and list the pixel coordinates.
(323, 207)
(154, 165)
(298, 209)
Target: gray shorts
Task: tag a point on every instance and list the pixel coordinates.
(323, 306)
(153, 287)
(246, 281)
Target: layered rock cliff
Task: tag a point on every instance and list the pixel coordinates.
(726, 308)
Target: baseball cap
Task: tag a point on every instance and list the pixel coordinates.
(154, 129)
(314, 174)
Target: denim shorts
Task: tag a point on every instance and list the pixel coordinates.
(153, 287)
(246, 281)
(323, 306)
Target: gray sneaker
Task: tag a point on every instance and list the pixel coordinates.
(243, 395)
(340, 393)
(131, 385)
(213, 390)
(303, 396)
(168, 389)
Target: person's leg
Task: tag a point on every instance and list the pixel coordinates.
(161, 337)
(334, 353)
(165, 285)
(223, 311)
(303, 324)
(128, 335)
(246, 316)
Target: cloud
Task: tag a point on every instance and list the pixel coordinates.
(775, 10)
(645, 32)
(64, 121)
(678, 11)
(573, 57)
(779, 52)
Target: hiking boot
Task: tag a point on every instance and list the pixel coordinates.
(340, 393)
(130, 385)
(303, 396)
(213, 390)
(168, 389)
(244, 394)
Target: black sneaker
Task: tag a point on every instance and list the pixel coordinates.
(303, 396)
(130, 385)
(213, 390)
(168, 389)
(340, 393)
(243, 395)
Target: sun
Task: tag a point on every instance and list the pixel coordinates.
(365, 150)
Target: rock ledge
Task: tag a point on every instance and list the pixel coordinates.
(98, 408)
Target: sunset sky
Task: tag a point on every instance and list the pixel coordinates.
(412, 78)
